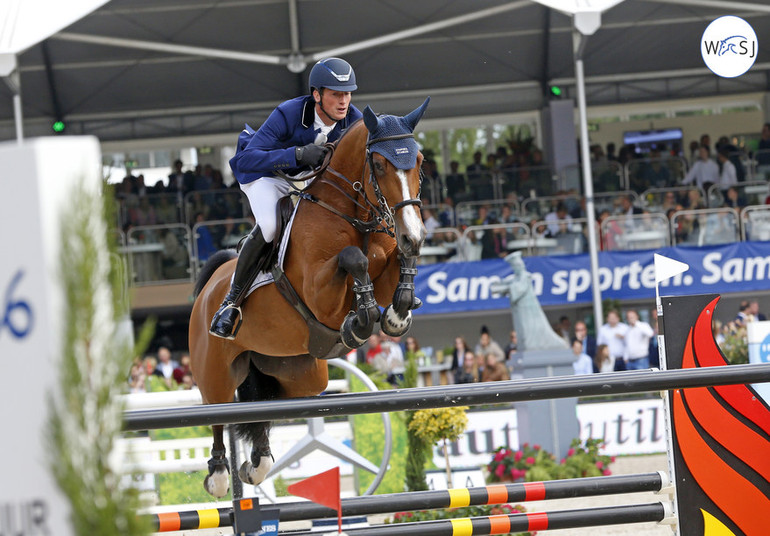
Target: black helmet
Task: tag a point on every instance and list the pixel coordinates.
(333, 73)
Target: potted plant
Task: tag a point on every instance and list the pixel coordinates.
(433, 425)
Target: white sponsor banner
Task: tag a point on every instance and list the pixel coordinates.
(627, 427)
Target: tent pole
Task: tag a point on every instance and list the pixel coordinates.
(588, 184)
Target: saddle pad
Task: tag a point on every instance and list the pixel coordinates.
(265, 278)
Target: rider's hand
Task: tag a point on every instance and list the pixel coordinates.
(310, 155)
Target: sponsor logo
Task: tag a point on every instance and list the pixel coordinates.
(729, 46)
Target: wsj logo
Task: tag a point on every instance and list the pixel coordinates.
(729, 46)
(15, 314)
(737, 45)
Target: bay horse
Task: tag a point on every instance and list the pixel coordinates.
(353, 245)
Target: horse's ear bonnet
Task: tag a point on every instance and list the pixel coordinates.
(401, 153)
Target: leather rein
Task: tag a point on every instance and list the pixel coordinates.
(380, 216)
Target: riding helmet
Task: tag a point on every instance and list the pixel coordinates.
(332, 73)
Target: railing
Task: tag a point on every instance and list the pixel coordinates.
(665, 199)
(608, 176)
(640, 231)
(705, 227)
(537, 208)
(739, 195)
(468, 212)
(159, 254)
(646, 173)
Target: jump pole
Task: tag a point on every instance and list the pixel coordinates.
(446, 396)
(426, 500)
(503, 524)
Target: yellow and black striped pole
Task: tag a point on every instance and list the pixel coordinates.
(193, 519)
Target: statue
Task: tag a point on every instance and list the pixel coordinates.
(529, 320)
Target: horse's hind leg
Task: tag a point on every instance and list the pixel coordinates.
(256, 386)
(217, 482)
(359, 324)
(397, 317)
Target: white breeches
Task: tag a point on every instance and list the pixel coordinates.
(263, 195)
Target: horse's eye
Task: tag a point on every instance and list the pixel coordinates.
(379, 167)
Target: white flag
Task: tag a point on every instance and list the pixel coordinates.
(665, 267)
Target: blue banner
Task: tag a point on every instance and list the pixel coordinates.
(623, 275)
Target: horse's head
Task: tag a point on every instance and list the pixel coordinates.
(394, 162)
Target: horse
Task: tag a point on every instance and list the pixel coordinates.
(353, 244)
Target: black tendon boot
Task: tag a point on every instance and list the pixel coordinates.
(227, 320)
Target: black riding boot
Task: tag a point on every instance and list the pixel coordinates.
(227, 320)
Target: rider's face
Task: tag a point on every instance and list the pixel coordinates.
(334, 103)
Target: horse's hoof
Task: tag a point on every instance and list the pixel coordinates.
(218, 482)
(255, 475)
(393, 325)
(349, 338)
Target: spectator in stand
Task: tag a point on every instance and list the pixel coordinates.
(583, 363)
(476, 170)
(180, 182)
(613, 334)
(603, 360)
(461, 348)
(637, 338)
(494, 370)
(137, 377)
(744, 315)
(728, 176)
(374, 347)
(733, 199)
(559, 221)
(611, 156)
(512, 347)
(166, 365)
(704, 172)
(564, 329)
(694, 152)
(430, 222)
(455, 182)
(487, 345)
(182, 369)
(754, 311)
(763, 153)
(413, 351)
(204, 240)
(654, 354)
(468, 373)
(733, 155)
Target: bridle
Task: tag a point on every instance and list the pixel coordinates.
(380, 216)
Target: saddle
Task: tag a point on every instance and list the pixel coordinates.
(324, 342)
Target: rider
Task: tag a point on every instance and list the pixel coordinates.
(291, 141)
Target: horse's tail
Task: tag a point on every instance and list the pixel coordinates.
(214, 262)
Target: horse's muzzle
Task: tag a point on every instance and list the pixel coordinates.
(409, 245)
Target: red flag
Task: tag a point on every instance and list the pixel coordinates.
(323, 488)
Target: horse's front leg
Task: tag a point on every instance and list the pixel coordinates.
(217, 482)
(359, 323)
(397, 318)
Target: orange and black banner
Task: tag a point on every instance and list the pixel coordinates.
(194, 519)
(721, 435)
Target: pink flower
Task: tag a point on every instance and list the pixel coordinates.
(612, 459)
(500, 455)
(525, 445)
(563, 461)
(530, 460)
(536, 447)
(518, 456)
(570, 452)
(499, 471)
(606, 472)
(599, 464)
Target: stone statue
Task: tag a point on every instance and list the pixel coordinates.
(532, 327)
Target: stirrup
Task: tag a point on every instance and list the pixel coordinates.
(218, 316)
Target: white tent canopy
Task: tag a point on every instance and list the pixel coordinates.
(159, 68)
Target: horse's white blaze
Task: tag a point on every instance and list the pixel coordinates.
(412, 223)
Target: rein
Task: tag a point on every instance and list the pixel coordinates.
(380, 215)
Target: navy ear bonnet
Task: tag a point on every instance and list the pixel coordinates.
(402, 153)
